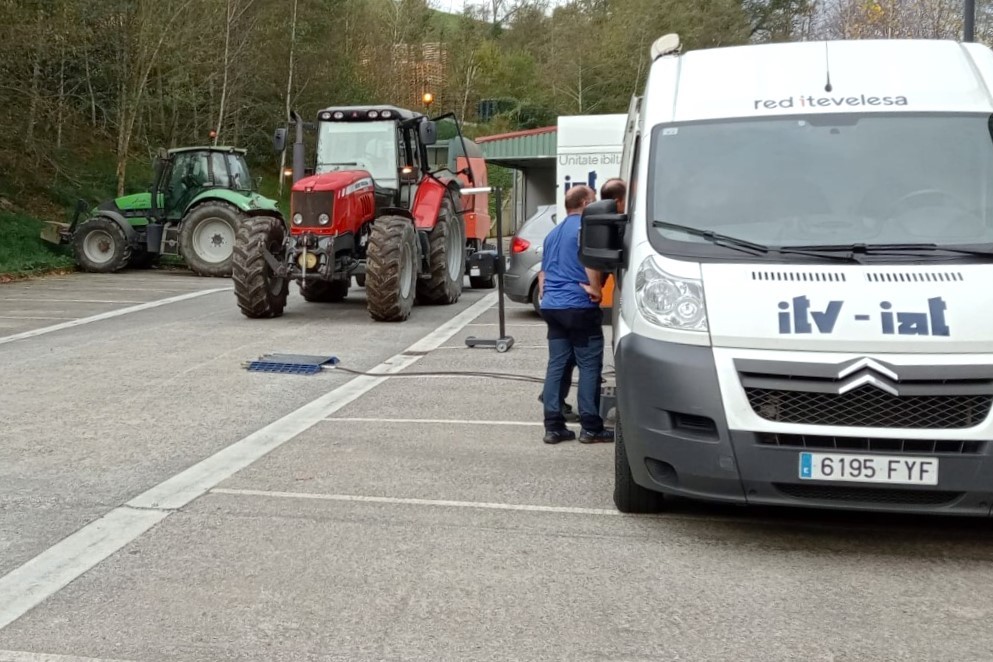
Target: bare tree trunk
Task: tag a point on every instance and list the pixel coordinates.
(289, 87)
(60, 109)
(35, 81)
(229, 19)
(89, 89)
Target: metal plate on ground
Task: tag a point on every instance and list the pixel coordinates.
(291, 364)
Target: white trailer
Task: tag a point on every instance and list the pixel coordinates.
(588, 151)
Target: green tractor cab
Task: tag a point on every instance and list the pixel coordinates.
(198, 198)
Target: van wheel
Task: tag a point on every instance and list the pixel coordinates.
(629, 497)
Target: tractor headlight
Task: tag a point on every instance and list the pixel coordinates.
(297, 219)
(307, 260)
(669, 301)
(323, 219)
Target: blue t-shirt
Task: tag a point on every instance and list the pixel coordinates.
(563, 270)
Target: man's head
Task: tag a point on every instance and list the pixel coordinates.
(577, 197)
(615, 189)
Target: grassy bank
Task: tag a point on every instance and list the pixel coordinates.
(22, 252)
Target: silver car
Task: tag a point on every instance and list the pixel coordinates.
(521, 278)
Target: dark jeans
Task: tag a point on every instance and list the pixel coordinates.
(574, 334)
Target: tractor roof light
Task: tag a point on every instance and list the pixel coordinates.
(428, 98)
(386, 114)
(339, 115)
(373, 114)
(325, 116)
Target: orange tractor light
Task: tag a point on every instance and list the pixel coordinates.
(428, 98)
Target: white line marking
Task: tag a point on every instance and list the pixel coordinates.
(432, 421)
(497, 323)
(27, 586)
(109, 314)
(516, 346)
(23, 656)
(14, 300)
(50, 571)
(22, 317)
(418, 502)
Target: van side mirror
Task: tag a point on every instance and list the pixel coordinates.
(601, 236)
(427, 132)
(279, 140)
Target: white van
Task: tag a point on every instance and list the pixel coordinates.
(588, 151)
(805, 273)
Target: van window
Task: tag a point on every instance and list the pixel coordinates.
(874, 178)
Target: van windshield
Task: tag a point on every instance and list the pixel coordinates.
(823, 180)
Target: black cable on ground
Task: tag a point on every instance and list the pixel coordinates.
(508, 376)
(447, 373)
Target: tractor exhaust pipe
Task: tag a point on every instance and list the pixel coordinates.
(299, 158)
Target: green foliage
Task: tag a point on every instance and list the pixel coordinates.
(89, 89)
(23, 252)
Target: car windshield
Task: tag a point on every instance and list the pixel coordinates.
(370, 146)
(823, 180)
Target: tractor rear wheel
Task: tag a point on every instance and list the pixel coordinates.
(446, 258)
(391, 269)
(259, 291)
(325, 291)
(100, 246)
(207, 237)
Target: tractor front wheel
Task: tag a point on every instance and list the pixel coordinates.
(207, 237)
(325, 291)
(391, 269)
(259, 291)
(100, 246)
(446, 259)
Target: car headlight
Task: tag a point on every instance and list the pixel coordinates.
(297, 219)
(323, 219)
(669, 301)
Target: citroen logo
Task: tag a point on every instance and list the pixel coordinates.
(867, 372)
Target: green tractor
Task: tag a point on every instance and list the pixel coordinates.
(201, 196)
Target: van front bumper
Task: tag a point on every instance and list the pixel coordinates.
(678, 442)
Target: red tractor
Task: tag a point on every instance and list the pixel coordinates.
(378, 206)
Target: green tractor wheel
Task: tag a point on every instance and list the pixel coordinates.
(100, 246)
(207, 236)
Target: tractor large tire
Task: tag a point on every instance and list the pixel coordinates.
(446, 259)
(207, 237)
(391, 269)
(259, 292)
(100, 246)
(325, 291)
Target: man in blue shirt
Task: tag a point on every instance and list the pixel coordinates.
(575, 326)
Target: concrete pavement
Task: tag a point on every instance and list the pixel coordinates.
(416, 517)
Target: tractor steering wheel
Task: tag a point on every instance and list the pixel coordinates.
(928, 196)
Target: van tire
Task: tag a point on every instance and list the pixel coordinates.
(630, 497)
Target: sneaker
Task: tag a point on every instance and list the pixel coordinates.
(555, 436)
(603, 436)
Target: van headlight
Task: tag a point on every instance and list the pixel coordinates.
(669, 301)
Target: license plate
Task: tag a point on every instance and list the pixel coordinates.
(473, 271)
(869, 468)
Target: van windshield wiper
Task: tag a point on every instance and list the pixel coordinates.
(750, 247)
(892, 249)
(716, 238)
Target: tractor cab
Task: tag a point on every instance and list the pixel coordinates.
(184, 173)
(389, 143)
